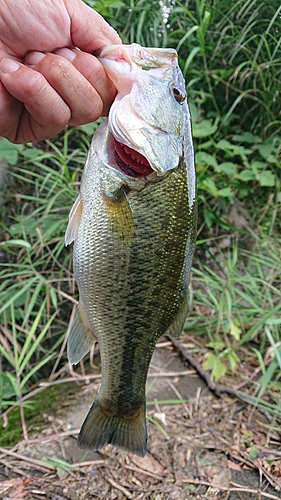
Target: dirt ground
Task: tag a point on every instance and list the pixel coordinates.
(199, 446)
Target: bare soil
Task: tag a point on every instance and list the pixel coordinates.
(199, 446)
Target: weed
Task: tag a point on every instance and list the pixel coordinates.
(35, 266)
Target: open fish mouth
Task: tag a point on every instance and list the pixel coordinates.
(131, 162)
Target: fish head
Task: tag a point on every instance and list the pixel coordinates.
(149, 117)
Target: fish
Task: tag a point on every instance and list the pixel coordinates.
(133, 225)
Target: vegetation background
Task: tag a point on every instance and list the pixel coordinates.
(230, 54)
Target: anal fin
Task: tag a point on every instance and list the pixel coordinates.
(81, 338)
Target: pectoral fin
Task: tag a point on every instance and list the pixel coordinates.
(120, 217)
(74, 221)
(81, 338)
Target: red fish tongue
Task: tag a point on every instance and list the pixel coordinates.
(130, 161)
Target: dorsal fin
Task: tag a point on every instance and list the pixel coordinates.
(74, 221)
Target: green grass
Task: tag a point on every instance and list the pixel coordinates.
(239, 294)
(230, 53)
(37, 285)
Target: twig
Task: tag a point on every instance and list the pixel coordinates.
(198, 367)
(217, 389)
(274, 454)
(89, 462)
(52, 437)
(87, 378)
(120, 488)
(77, 378)
(177, 393)
(255, 464)
(16, 470)
(224, 488)
(142, 471)
(159, 345)
(22, 417)
(171, 374)
(27, 459)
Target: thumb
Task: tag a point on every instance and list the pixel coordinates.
(89, 30)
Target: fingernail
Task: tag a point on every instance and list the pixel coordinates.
(66, 53)
(34, 57)
(9, 65)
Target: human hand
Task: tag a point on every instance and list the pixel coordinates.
(45, 82)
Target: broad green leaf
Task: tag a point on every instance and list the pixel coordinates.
(226, 192)
(227, 168)
(214, 364)
(246, 175)
(233, 360)
(8, 151)
(273, 159)
(206, 159)
(240, 150)
(204, 128)
(266, 148)
(247, 137)
(216, 344)
(266, 178)
(210, 361)
(88, 128)
(253, 452)
(224, 144)
(24, 224)
(234, 329)
(258, 165)
(208, 216)
(236, 150)
(32, 153)
(8, 385)
(210, 185)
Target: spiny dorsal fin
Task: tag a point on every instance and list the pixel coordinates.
(81, 338)
(74, 221)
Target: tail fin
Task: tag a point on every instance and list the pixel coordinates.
(100, 429)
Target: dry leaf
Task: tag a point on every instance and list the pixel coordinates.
(148, 463)
(14, 488)
(234, 466)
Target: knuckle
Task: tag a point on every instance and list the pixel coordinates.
(87, 114)
(97, 72)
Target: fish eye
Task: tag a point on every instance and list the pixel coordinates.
(178, 95)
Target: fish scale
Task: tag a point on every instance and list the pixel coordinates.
(133, 244)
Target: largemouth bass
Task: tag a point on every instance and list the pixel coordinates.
(134, 228)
